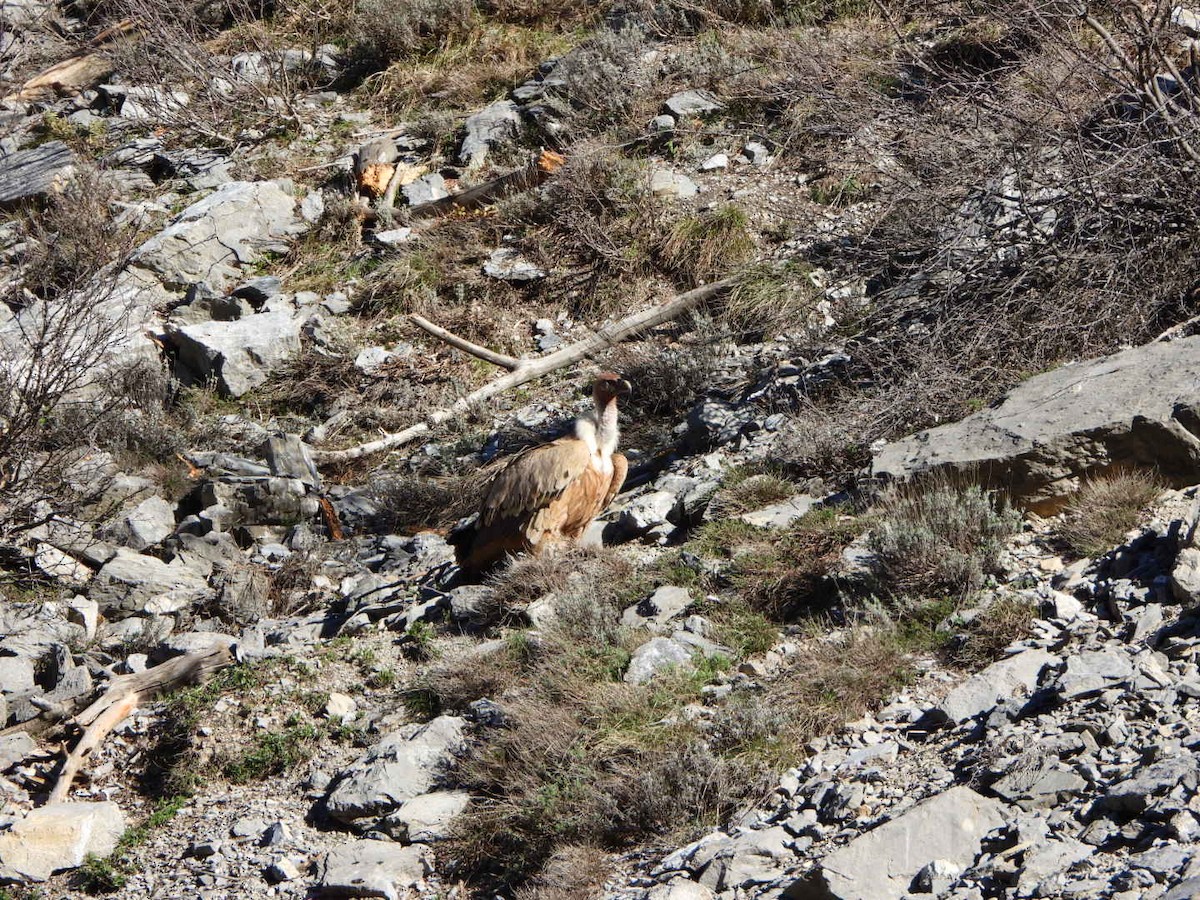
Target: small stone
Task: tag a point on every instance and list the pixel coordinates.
(507, 264)
(393, 237)
(757, 153)
(425, 189)
(340, 707)
(692, 103)
(655, 657)
(275, 834)
(672, 185)
(282, 870)
(247, 827)
(60, 836)
(713, 163)
(662, 124)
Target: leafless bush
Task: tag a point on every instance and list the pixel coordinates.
(605, 79)
(385, 32)
(60, 388)
(171, 51)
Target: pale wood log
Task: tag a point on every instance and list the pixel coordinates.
(125, 693)
(527, 370)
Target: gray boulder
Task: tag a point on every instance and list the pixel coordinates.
(1185, 577)
(373, 869)
(692, 103)
(782, 514)
(881, 864)
(491, 126)
(1091, 671)
(230, 227)
(655, 657)
(59, 836)
(238, 355)
(428, 818)
(656, 610)
(36, 173)
(1135, 408)
(1137, 792)
(149, 522)
(131, 583)
(982, 691)
(425, 189)
(407, 763)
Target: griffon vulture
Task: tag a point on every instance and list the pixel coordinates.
(550, 494)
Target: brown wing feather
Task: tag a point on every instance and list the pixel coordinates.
(533, 479)
(620, 470)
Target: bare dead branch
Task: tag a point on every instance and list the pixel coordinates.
(124, 694)
(527, 370)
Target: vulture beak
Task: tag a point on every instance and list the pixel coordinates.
(624, 388)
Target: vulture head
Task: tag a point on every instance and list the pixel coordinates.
(608, 386)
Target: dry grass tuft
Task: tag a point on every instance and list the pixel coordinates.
(1105, 508)
(983, 639)
(708, 246)
(783, 575)
(937, 539)
(744, 489)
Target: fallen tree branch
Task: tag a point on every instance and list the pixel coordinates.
(124, 694)
(525, 370)
(547, 163)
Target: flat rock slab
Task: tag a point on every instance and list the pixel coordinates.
(230, 227)
(655, 611)
(373, 869)
(1092, 671)
(1137, 792)
(780, 515)
(1138, 407)
(982, 691)
(238, 355)
(428, 818)
(655, 657)
(36, 173)
(59, 836)
(132, 583)
(881, 864)
(407, 763)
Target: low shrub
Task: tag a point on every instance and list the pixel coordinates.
(937, 539)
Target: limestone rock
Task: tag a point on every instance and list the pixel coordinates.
(654, 657)
(131, 583)
(373, 869)
(1134, 408)
(59, 836)
(146, 524)
(491, 126)
(230, 227)
(881, 864)
(239, 354)
(672, 185)
(782, 514)
(1000, 680)
(692, 103)
(35, 173)
(427, 818)
(656, 610)
(405, 764)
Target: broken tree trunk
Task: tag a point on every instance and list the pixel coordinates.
(521, 371)
(124, 694)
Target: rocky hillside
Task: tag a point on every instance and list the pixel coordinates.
(899, 597)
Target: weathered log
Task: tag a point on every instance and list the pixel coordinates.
(124, 694)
